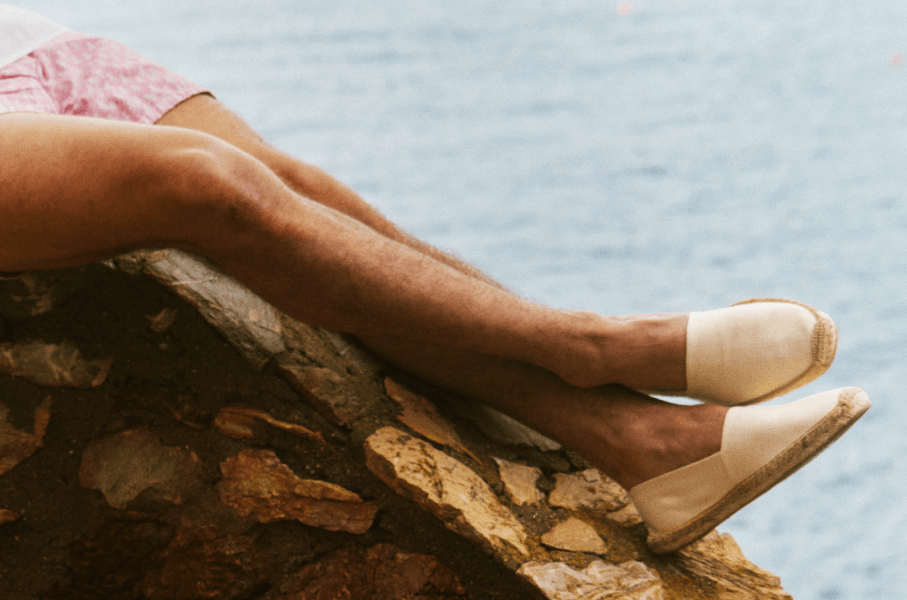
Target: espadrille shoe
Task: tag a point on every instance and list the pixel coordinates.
(760, 446)
(755, 350)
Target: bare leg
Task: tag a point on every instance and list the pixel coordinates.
(204, 113)
(631, 437)
(100, 188)
(77, 190)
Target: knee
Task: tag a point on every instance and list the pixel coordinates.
(212, 186)
(196, 168)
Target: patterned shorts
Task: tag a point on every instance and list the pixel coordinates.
(79, 75)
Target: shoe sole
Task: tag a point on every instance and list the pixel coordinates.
(852, 404)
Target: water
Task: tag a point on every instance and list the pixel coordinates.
(681, 157)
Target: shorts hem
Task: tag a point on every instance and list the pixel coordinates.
(79, 75)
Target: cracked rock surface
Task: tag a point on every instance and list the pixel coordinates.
(229, 452)
(256, 483)
(447, 488)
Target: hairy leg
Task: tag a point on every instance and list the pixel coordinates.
(631, 437)
(205, 113)
(77, 190)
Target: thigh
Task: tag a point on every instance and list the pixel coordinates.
(205, 113)
(73, 190)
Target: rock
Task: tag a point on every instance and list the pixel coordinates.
(356, 358)
(384, 572)
(233, 423)
(213, 546)
(124, 465)
(162, 321)
(15, 445)
(248, 322)
(53, 365)
(503, 429)
(110, 560)
(202, 563)
(333, 396)
(37, 292)
(574, 535)
(718, 559)
(8, 516)
(520, 482)
(236, 421)
(256, 483)
(420, 415)
(627, 515)
(599, 581)
(185, 410)
(446, 488)
(589, 489)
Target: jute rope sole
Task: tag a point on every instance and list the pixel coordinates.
(852, 404)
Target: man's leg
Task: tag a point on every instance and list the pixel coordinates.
(630, 436)
(77, 190)
(205, 113)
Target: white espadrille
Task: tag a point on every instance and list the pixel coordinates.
(760, 446)
(755, 350)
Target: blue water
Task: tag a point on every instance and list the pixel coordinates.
(681, 157)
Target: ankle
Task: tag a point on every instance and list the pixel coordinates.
(590, 340)
(659, 439)
(639, 351)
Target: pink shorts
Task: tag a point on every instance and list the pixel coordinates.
(79, 75)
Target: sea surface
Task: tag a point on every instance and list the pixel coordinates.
(622, 157)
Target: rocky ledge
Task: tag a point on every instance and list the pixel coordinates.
(186, 440)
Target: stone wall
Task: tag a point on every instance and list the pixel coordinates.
(196, 443)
